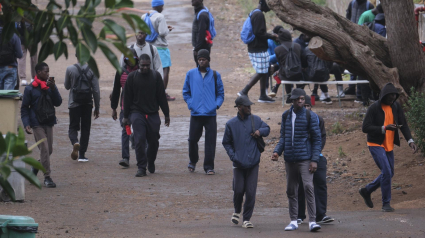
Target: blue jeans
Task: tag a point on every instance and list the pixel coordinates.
(385, 162)
(8, 77)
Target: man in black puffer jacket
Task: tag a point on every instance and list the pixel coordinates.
(381, 123)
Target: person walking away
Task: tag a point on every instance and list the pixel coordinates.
(158, 38)
(203, 92)
(22, 62)
(38, 115)
(289, 54)
(143, 47)
(273, 64)
(317, 70)
(319, 180)
(257, 52)
(203, 30)
(9, 53)
(300, 139)
(382, 121)
(144, 94)
(354, 10)
(83, 88)
(241, 146)
(117, 96)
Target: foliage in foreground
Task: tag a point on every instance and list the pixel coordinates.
(416, 117)
(13, 147)
(58, 23)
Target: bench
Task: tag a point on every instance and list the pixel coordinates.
(326, 82)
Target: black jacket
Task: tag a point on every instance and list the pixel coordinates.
(375, 117)
(199, 28)
(281, 54)
(259, 44)
(322, 131)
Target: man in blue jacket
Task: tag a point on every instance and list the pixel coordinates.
(300, 138)
(240, 143)
(43, 88)
(204, 93)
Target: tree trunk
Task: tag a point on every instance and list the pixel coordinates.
(357, 48)
(403, 40)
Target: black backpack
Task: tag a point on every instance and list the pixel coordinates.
(45, 112)
(82, 88)
(7, 54)
(292, 69)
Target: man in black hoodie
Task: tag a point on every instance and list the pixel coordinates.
(199, 27)
(381, 123)
(258, 54)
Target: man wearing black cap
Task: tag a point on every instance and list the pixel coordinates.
(240, 142)
(203, 92)
(301, 140)
(319, 180)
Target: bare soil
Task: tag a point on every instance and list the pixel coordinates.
(100, 199)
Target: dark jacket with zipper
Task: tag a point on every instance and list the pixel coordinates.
(199, 28)
(259, 29)
(375, 117)
(238, 142)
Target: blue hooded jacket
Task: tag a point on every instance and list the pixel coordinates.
(200, 93)
(238, 142)
(272, 45)
(307, 138)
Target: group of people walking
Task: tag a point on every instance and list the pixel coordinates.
(140, 91)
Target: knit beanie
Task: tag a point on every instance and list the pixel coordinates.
(204, 54)
(157, 3)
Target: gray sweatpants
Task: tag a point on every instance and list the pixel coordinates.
(293, 172)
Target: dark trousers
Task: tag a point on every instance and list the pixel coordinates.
(320, 192)
(245, 183)
(323, 87)
(336, 71)
(196, 58)
(385, 162)
(197, 124)
(125, 140)
(145, 128)
(80, 118)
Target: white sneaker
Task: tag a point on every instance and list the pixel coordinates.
(291, 227)
(24, 82)
(247, 224)
(322, 96)
(83, 160)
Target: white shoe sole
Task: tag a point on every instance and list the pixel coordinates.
(264, 101)
(272, 95)
(83, 160)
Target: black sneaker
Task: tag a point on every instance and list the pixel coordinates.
(327, 101)
(265, 99)
(124, 163)
(48, 182)
(366, 196)
(34, 171)
(325, 219)
(387, 208)
(141, 173)
(350, 91)
(151, 167)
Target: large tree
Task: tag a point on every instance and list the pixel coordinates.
(398, 60)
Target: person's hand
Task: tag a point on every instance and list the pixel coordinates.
(167, 121)
(125, 121)
(414, 147)
(96, 114)
(114, 114)
(256, 134)
(313, 167)
(275, 156)
(170, 28)
(28, 130)
(391, 127)
(50, 82)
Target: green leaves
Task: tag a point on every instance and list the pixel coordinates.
(19, 148)
(59, 48)
(47, 30)
(28, 175)
(7, 188)
(124, 3)
(83, 53)
(93, 67)
(34, 163)
(63, 22)
(141, 25)
(46, 50)
(118, 30)
(109, 3)
(89, 38)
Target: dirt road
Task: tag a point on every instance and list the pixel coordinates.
(100, 199)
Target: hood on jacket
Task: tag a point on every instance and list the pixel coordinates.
(387, 89)
(284, 35)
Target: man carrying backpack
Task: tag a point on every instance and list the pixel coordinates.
(240, 141)
(9, 52)
(119, 84)
(257, 49)
(288, 55)
(203, 30)
(159, 31)
(203, 92)
(300, 140)
(38, 115)
(83, 87)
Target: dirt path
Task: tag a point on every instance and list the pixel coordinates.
(100, 199)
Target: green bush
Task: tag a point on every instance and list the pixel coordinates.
(337, 128)
(416, 117)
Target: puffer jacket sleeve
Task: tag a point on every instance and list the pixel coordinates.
(316, 137)
(280, 145)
